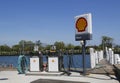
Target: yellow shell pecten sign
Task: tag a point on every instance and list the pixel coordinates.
(83, 27)
(81, 24)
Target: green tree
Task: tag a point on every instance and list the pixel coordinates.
(47, 47)
(117, 49)
(106, 42)
(70, 46)
(16, 48)
(5, 48)
(26, 46)
(59, 45)
(22, 42)
(77, 49)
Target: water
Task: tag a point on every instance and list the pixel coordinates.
(9, 60)
(75, 61)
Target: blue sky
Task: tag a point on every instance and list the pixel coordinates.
(53, 20)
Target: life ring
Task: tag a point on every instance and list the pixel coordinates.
(22, 64)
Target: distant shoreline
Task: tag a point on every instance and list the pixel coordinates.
(43, 55)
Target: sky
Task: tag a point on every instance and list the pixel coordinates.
(54, 20)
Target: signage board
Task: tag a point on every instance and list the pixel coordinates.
(83, 27)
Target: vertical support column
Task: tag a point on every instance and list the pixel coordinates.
(111, 53)
(96, 57)
(84, 57)
(92, 58)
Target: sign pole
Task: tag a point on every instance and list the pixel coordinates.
(84, 57)
(83, 31)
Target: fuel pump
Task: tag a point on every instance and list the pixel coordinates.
(53, 60)
(36, 61)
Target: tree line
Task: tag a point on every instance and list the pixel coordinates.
(27, 47)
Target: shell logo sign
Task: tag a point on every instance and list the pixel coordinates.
(81, 24)
(83, 27)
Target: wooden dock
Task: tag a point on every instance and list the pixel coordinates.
(103, 67)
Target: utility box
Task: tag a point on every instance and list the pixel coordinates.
(34, 64)
(53, 65)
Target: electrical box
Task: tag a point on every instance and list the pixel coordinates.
(53, 65)
(34, 64)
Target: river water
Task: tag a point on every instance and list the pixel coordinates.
(74, 60)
